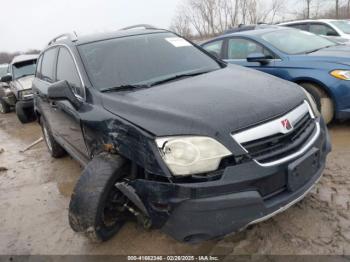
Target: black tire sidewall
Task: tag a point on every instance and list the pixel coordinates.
(25, 115)
(56, 151)
(5, 106)
(91, 193)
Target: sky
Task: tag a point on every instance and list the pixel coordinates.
(31, 24)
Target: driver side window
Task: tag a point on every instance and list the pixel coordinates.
(67, 70)
(239, 48)
(214, 48)
(321, 29)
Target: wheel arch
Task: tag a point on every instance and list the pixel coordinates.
(318, 83)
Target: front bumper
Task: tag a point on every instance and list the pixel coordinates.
(194, 212)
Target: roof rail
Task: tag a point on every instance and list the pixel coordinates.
(145, 26)
(70, 36)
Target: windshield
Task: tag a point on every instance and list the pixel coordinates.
(142, 60)
(294, 42)
(3, 70)
(24, 68)
(343, 25)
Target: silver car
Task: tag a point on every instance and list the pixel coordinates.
(16, 87)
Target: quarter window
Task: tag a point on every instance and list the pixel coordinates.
(299, 26)
(67, 70)
(242, 48)
(47, 67)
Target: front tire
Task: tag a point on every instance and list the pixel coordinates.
(97, 206)
(25, 115)
(55, 149)
(323, 100)
(4, 107)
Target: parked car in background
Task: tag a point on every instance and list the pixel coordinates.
(3, 69)
(321, 66)
(173, 137)
(17, 91)
(3, 88)
(336, 30)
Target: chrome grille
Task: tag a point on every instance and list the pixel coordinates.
(271, 143)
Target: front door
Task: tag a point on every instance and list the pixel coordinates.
(65, 117)
(238, 49)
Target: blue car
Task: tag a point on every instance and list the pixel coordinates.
(321, 66)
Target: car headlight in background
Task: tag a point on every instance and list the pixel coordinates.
(190, 155)
(25, 94)
(312, 103)
(341, 74)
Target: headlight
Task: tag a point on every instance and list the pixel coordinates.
(341, 74)
(312, 103)
(25, 94)
(192, 154)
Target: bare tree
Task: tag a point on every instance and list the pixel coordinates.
(337, 8)
(308, 8)
(181, 24)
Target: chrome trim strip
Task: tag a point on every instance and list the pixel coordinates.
(296, 154)
(273, 127)
(284, 208)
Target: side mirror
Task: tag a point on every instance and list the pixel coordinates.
(62, 90)
(6, 78)
(259, 58)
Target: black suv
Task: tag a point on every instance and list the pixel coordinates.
(172, 137)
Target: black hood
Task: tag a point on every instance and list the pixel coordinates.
(222, 101)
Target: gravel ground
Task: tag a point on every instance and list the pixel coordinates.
(35, 191)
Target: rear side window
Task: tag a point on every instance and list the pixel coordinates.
(299, 26)
(67, 70)
(47, 67)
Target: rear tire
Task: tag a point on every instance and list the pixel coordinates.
(55, 149)
(90, 209)
(323, 100)
(25, 115)
(4, 107)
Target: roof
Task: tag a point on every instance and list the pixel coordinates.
(128, 31)
(22, 58)
(259, 31)
(307, 21)
(117, 34)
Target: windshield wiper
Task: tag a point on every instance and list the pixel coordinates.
(175, 77)
(123, 88)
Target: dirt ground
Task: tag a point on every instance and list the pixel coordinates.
(35, 191)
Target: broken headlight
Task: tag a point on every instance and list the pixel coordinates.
(191, 154)
(25, 94)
